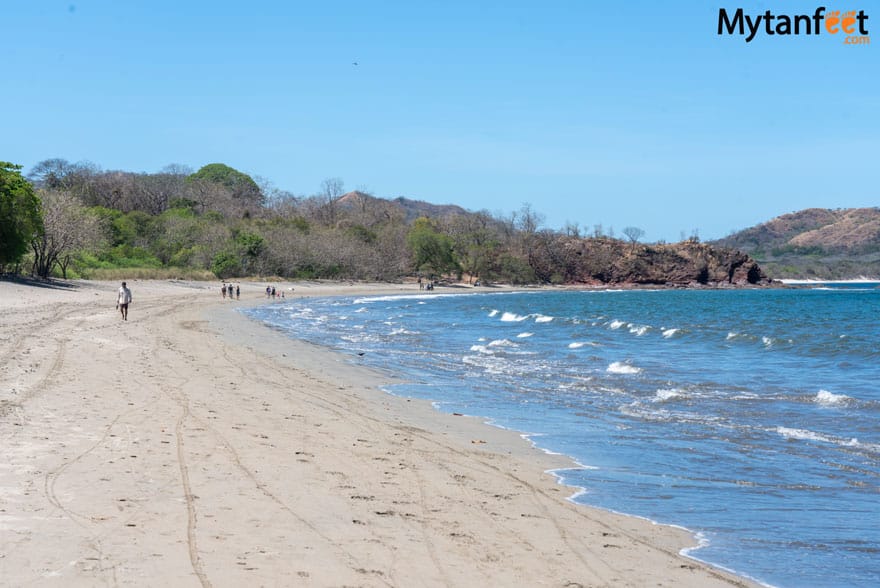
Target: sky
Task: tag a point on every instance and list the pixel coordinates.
(615, 114)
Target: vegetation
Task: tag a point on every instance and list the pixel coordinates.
(19, 215)
(815, 243)
(75, 220)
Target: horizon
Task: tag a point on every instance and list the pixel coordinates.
(633, 115)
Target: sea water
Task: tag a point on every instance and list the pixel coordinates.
(751, 417)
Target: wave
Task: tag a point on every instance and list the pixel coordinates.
(637, 330)
(826, 398)
(510, 317)
(664, 395)
(540, 318)
(402, 331)
(807, 435)
(524, 335)
(579, 344)
(503, 343)
(614, 325)
(493, 313)
(619, 367)
(392, 298)
(668, 333)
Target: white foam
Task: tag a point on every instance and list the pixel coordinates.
(768, 341)
(619, 367)
(616, 324)
(732, 335)
(481, 349)
(826, 398)
(669, 333)
(509, 317)
(663, 395)
(502, 343)
(372, 299)
(806, 435)
(493, 313)
(543, 319)
(638, 331)
(579, 344)
(402, 331)
(524, 335)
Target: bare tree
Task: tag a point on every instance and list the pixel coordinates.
(332, 190)
(152, 193)
(177, 169)
(633, 234)
(68, 227)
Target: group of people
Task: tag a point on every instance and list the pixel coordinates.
(427, 285)
(231, 291)
(272, 293)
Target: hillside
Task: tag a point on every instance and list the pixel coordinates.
(411, 209)
(815, 243)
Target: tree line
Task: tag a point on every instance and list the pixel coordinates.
(73, 219)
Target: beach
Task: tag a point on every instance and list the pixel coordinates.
(191, 446)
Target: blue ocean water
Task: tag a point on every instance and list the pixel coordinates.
(751, 417)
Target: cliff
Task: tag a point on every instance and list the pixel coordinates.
(600, 261)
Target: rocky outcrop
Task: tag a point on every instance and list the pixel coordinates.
(610, 261)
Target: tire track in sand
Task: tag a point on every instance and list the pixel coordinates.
(194, 558)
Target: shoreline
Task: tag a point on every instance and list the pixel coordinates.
(194, 445)
(380, 380)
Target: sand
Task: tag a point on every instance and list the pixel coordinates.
(189, 446)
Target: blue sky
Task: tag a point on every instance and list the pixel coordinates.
(620, 114)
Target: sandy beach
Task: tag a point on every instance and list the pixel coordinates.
(190, 446)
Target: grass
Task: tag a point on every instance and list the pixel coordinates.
(147, 273)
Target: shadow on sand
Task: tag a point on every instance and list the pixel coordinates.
(38, 282)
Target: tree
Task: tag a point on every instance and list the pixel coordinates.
(332, 190)
(75, 178)
(431, 249)
(20, 219)
(68, 227)
(240, 185)
(634, 234)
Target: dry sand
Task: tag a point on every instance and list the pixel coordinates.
(190, 446)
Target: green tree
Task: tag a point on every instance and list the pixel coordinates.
(20, 219)
(432, 250)
(239, 256)
(241, 185)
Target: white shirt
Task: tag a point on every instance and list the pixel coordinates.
(124, 296)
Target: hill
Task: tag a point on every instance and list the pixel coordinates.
(815, 243)
(407, 208)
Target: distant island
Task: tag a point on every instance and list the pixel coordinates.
(76, 220)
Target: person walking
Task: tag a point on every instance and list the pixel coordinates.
(123, 299)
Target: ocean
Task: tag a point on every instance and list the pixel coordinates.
(750, 417)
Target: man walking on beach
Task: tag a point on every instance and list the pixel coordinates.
(123, 299)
